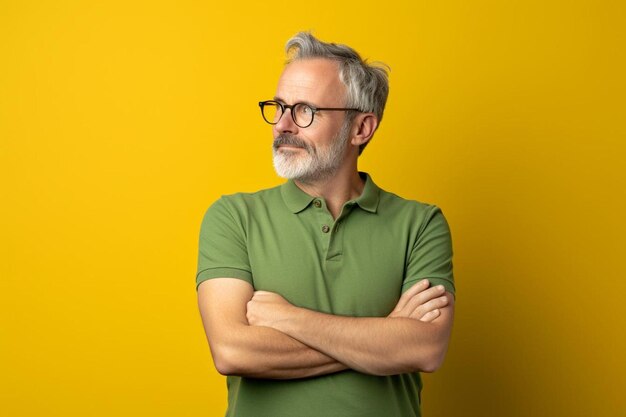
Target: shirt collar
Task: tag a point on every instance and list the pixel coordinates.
(369, 198)
(297, 200)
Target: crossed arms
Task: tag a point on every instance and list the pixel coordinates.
(261, 335)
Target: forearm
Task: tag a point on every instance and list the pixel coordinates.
(263, 352)
(239, 348)
(373, 345)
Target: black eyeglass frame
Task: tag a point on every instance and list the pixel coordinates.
(283, 106)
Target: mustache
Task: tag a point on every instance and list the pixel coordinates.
(292, 140)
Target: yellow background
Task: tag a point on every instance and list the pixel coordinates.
(121, 121)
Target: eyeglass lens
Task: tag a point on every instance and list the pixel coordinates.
(302, 114)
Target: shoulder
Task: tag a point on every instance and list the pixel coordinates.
(257, 197)
(241, 203)
(413, 211)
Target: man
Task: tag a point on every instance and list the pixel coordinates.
(325, 296)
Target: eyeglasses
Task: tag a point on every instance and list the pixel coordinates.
(301, 113)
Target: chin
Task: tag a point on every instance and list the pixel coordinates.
(289, 170)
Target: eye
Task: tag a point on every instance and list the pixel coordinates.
(305, 110)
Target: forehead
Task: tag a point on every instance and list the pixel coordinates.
(313, 80)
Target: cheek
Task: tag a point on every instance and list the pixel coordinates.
(275, 132)
(322, 137)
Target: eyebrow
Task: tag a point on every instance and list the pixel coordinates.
(276, 98)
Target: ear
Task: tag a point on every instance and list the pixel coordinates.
(363, 128)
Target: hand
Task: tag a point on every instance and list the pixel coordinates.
(267, 308)
(421, 302)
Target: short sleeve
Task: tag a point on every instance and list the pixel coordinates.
(222, 251)
(431, 256)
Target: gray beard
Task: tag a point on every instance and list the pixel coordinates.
(310, 164)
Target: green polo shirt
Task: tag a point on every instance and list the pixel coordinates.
(286, 241)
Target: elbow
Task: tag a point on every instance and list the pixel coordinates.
(236, 361)
(431, 365)
(225, 360)
(433, 360)
(425, 360)
(223, 367)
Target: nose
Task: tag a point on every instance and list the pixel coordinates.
(286, 124)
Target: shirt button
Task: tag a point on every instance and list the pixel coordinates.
(317, 203)
(325, 229)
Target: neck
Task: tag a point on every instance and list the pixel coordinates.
(344, 186)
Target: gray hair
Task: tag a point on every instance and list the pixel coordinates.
(367, 84)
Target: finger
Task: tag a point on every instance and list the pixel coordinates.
(430, 316)
(415, 289)
(248, 313)
(424, 297)
(437, 303)
(262, 295)
(420, 310)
